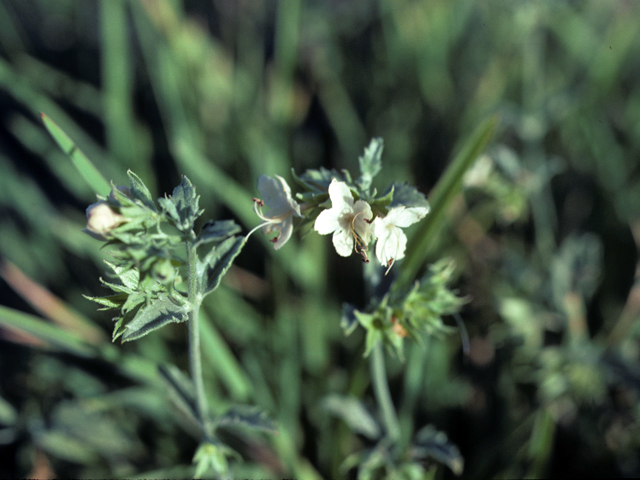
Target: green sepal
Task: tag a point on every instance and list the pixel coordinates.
(217, 231)
(212, 456)
(370, 164)
(353, 412)
(216, 263)
(182, 206)
(156, 314)
(252, 417)
(381, 203)
(140, 191)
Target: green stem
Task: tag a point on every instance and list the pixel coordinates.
(381, 390)
(195, 358)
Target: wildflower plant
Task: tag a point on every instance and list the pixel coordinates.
(361, 221)
(160, 272)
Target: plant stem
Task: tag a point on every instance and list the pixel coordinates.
(381, 390)
(195, 358)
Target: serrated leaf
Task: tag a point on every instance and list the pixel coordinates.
(354, 414)
(218, 261)
(109, 301)
(409, 196)
(370, 163)
(140, 191)
(127, 275)
(348, 321)
(182, 206)
(157, 314)
(182, 389)
(87, 170)
(217, 231)
(251, 417)
(435, 444)
(317, 181)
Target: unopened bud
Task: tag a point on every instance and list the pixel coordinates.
(101, 219)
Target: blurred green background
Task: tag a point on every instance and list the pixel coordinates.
(545, 231)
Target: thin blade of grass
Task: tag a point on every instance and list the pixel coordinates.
(52, 335)
(87, 170)
(443, 193)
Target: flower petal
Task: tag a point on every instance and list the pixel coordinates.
(405, 216)
(328, 221)
(343, 242)
(285, 233)
(340, 195)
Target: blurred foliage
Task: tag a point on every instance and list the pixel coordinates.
(545, 234)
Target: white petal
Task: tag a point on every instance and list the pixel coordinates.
(343, 242)
(292, 204)
(285, 235)
(403, 216)
(340, 195)
(391, 244)
(271, 191)
(327, 222)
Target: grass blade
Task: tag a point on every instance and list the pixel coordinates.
(87, 170)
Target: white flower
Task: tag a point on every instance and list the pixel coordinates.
(348, 221)
(277, 196)
(101, 219)
(391, 240)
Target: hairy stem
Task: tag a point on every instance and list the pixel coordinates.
(381, 390)
(195, 358)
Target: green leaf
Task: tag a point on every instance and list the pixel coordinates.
(87, 170)
(181, 388)
(435, 444)
(217, 231)
(110, 301)
(418, 248)
(354, 414)
(348, 321)
(217, 262)
(317, 181)
(370, 163)
(182, 206)
(248, 416)
(409, 196)
(157, 314)
(140, 191)
(52, 335)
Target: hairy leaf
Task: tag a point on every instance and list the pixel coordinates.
(370, 163)
(217, 262)
(157, 314)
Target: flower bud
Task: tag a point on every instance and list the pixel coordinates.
(101, 219)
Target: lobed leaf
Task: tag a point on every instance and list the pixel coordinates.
(370, 163)
(157, 314)
(217, 231)
(217, 262)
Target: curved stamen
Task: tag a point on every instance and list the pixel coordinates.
(359, 246)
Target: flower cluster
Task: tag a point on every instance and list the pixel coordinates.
(354, 217)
